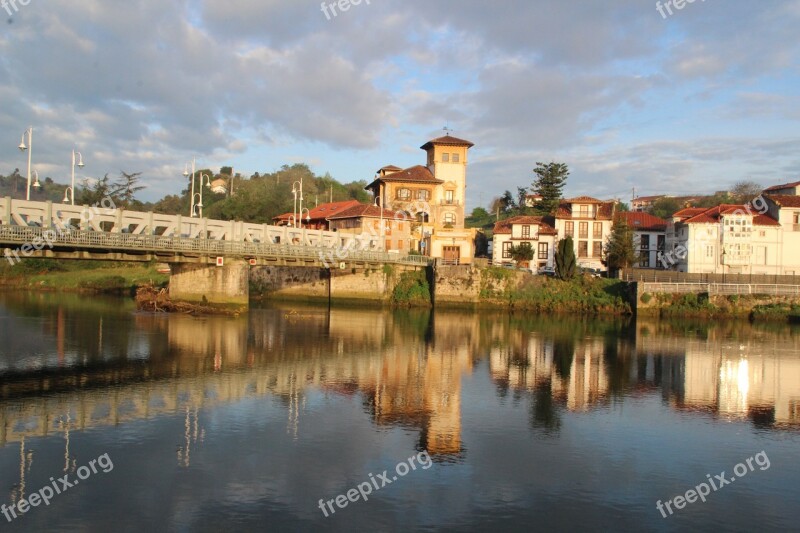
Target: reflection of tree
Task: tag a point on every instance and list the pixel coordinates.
(563, 353)
(544, 409)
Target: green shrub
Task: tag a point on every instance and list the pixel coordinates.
(412, 289)
(646, 297)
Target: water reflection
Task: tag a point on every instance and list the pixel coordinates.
(406, 367)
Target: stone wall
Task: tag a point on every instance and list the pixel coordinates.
(225, 285)
(275, 282)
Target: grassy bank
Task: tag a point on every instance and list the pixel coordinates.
(581, 295)
(80, 276)
(755, 308)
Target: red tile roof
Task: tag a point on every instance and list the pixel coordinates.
(642, 221)
(390, 167)
(713, 214)
(322, 211)
(605, 210)
(416, 174)
(783, 186)
(447, 140)
(366, 210)
(785, 200)
(689, 212)
(504, 226)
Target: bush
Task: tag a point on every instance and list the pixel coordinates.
(412, 289)
(646, 297)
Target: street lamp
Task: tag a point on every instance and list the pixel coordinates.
(186, 175)
(69, 193)
(308, 216)
(197, 206)
(36, 183)
(208, 186)
(79, 164)
(297, 188)
(29, 148)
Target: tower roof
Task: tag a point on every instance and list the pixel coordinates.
(447, 140)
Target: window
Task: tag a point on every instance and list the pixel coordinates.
(583, 211)
(388, 244)
(423, 194)
(506, 250)
(403, 194)
(583, 230)
(597, 249)
(445, 158)
(526, 232)
(569, 229)
(661, 242)
(710, 251)
(645, 262)
(644, 242)
(448, 197)
(543, 250)
(598, 230)
(583, 249)
(455, 158)
(449, 218)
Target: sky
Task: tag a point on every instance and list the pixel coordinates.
(627, 95)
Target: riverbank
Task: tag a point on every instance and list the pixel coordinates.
(80, 276)
(756, 308)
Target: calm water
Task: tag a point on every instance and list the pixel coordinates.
(514, 422)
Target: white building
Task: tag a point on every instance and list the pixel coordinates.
(649, 236)
(588, 221)
(534, 230)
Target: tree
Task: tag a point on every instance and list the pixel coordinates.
(94, 194)
(665, 207)
(622, 207)
(549, 184)
(507, 202)
(744, 191)
(619, 250)
(566, 265)
(125, 188)
(522, 253)
(522, 192)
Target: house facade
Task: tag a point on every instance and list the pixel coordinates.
(534, 230)
(726, 239)
(588, 221)
(392, 228)
(791, 189)
(433, 196)
(317, 217)
(649, 236)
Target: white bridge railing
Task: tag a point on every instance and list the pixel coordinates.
(23, 222)
(722, 288)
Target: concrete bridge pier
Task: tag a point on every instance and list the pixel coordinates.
(226, 285)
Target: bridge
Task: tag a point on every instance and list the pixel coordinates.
(208, 258)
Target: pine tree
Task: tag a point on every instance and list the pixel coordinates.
(550, 180)
(565, 259)
(619, 250)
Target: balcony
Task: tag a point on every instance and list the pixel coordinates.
(450, 202)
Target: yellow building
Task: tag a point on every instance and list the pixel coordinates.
(434, 196)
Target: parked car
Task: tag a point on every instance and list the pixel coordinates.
(594, 272)
(547, 271)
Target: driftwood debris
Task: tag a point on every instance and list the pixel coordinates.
(156, 299)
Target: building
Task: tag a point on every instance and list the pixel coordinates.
(588, 221)
(649, 236)
(728, 239)
(792, 189)
(317, 217)
(433, 196)
(363, 218)
(643, 203)
(532, 199)
(219, 186)
(535, 230)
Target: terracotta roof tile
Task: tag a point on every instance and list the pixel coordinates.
(322, 211)
(712, 215)
(642, 221)
(782, 186)
(365, 210)
(605, 210)
(416, 174)
(785, 200)
(447, 140)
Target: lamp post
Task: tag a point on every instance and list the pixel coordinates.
(191, 195)
(29, 148)
(79, 164)
(308, 216)
(198, 205)
(36, 183)
(208, 186)
(297, 188)
(69, 193)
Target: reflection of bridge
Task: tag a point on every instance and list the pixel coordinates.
(44, 229)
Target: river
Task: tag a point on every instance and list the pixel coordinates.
(304, 418)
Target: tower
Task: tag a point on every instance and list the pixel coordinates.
(447, 161)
